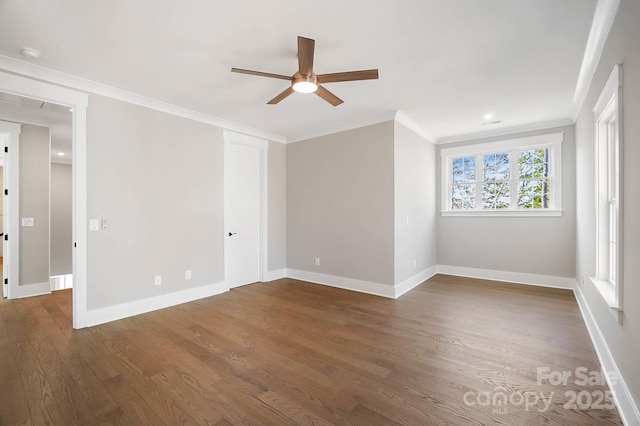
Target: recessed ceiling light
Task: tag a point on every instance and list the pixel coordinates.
(61, 154)
(70, 109)
(30, 53)
(488, 116)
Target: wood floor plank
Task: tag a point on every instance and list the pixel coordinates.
(64, 387)
(133, 408)
(14, 406)
(153, 396)
(290, 352)
(43, 406)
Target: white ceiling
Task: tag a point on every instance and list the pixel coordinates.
(443, 63)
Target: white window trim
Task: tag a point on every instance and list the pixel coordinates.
(611, 96)
(551, 140)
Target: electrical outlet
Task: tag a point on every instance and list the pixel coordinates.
(187, 274)
(415, 263)
(317, 261)
(157, 280)
(582, 279)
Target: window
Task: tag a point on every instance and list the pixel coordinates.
(514, 177)
(608, 131)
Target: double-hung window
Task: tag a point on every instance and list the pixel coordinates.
(608, 131)
(513, 177)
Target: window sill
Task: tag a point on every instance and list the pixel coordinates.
(502, 213)
(608, 293)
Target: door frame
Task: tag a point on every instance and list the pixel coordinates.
(9, 133)
(27, 87)
(263, 146)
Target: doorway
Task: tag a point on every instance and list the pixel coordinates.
(42, 159)
(28, 88)
(245, 207)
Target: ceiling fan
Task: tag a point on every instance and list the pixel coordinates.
(307, 81)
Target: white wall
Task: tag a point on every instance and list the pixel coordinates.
(528, 245)
(623, 340)
(340, 204)
(415, 198)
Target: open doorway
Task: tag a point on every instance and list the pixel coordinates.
(43, 89)
(43, 217)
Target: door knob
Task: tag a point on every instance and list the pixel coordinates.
(232, 233)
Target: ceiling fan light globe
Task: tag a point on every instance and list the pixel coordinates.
(305, 86)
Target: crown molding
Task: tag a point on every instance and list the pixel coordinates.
(603, 18)
(49, 75)
(506, 131)
(408, 122)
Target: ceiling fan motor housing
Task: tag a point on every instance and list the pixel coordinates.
(305, 83)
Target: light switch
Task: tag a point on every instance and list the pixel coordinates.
(104, 224)
(27, 221)
(94, 224)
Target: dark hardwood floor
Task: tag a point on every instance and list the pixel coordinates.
(452, 351)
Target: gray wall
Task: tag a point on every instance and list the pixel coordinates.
(34, 161)
(340, 204)
(61, 219)
(622, 46)
(277, 231)
(533, 245)
(158, 181)
(415, 197)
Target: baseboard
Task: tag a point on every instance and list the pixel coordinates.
(622, 396)
(414, 281)
(342, 282)
(137, 307)
(512, 277)
(275, 275)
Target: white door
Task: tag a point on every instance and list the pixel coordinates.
(243, 207)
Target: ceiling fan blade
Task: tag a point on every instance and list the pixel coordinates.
(348, 76)
(286, 92)
(328, 96)
(306, 47)
(261, 74)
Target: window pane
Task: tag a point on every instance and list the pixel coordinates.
(463, 188)
(463, 196)
(464, 169)
(533, 163)
(495, 195)
(496, 166)
(534, 194)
